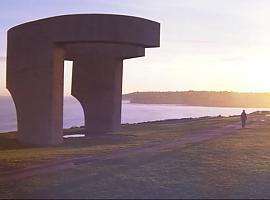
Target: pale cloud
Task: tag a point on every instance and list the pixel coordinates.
(197, 41)
(233, 59)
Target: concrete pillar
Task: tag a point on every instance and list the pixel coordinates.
(97, 84)
(39, 95)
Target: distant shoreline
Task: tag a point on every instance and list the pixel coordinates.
(210, 106)
(202, 99)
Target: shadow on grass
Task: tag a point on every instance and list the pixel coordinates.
(9, 141)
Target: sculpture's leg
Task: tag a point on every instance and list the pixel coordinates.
(97, 84)
(35, 81)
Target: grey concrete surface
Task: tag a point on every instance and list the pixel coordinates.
(97, 44)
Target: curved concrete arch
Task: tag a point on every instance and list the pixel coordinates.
(97, 44)
(103, 28)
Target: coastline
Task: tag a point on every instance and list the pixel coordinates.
(80, 129)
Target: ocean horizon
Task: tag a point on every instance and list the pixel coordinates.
(131, 113)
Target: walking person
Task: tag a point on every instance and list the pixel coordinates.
(243, 118)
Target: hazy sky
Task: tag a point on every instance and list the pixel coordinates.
(205, 44)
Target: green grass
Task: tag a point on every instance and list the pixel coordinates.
(236, 165)
(15, 155)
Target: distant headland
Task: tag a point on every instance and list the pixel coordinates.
(202, 98)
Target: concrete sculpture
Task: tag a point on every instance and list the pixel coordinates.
(97, 44)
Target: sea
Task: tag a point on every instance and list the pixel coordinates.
(131, 112)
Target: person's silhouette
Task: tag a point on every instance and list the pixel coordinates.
(243, 118)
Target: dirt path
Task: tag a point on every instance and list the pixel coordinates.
(179, 142)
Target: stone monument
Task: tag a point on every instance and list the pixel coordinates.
(97, 44)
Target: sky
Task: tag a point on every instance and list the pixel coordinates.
(213, 45)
